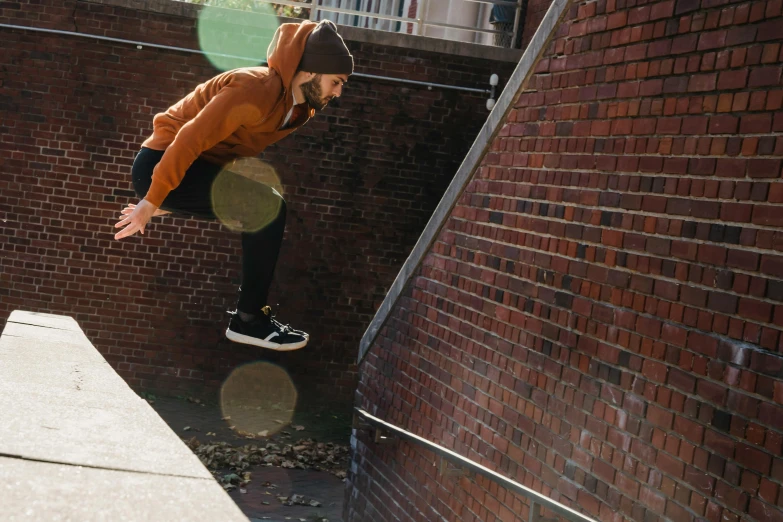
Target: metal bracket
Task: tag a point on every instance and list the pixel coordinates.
(535, 514)
(447, 469)
(381, 437)
(360, 423)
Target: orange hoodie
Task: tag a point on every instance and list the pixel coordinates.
(237, 113)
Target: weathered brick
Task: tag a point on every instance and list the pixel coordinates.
(723, 124)
(700, 480)
(702, 82)
(712, 40)
(765, 168)
(755, 124)
(772, 265)
(733, 353)
(755, 310)
(765, 77)
(731, 497)
(753, 458)
(743, 259)
(670, 465)
(686, 6)
(733, 79)
(763, 512)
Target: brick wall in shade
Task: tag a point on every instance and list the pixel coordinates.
(361, 181)
(600, 317)
(534, 13)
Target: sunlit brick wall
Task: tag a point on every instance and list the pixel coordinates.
(600, 317)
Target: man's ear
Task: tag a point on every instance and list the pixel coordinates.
(303, 77)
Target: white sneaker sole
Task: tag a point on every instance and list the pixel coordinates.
(255, 341)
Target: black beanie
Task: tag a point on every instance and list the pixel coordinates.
(325, 52)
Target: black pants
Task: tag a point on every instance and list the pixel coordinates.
(194, 197)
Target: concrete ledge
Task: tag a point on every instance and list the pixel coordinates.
(76, 443)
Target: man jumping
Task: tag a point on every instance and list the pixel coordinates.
(238, 114)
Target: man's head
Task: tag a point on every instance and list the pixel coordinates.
(325, 66)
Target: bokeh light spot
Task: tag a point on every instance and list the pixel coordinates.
(259, 398)
(229, 36)
(247, 195)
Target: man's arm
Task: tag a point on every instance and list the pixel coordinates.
(226, 111)
(220, 117)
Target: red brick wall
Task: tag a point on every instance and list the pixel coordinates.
(361, 181)
(600, 317)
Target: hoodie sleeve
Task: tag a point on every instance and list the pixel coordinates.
(221, 116)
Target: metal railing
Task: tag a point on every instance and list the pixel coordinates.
(396, 16)
(382, 431)
(380, 15)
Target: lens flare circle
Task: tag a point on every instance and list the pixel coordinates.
(233, 38)
(247, 195)
(260, 398)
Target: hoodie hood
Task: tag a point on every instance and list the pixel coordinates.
(286, 49)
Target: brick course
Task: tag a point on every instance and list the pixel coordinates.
(361, 181)
(600, 317)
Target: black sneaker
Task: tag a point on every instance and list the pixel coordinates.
(266, 332)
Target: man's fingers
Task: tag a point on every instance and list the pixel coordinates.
(127, 231)
(123, 222)
(135, 219)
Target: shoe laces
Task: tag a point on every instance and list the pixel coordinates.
(267, 311)
(284, 328)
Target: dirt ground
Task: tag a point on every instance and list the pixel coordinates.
(312, 422)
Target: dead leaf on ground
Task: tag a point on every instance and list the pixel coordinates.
(298, 500)
(231, 464)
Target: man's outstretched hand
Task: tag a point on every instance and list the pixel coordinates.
(127, 210)
(136, 218)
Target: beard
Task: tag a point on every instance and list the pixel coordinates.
(313, 93)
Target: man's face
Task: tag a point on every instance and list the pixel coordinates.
(320, 90)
